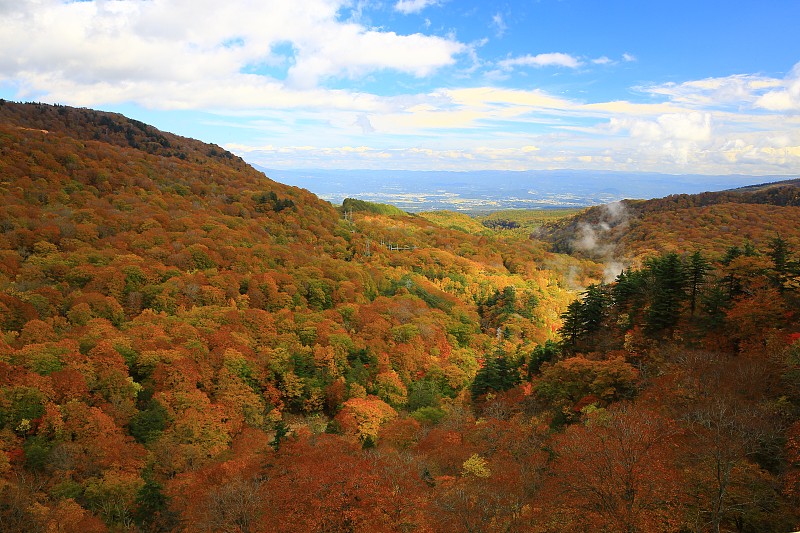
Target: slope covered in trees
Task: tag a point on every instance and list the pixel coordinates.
(630, 230)
(160, 300)
(188, 345)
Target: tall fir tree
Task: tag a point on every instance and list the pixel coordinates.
(668, 292)
(696, 275)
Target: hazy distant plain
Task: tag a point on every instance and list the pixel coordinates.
(483, 191)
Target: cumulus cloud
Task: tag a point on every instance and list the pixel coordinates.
(686, 127)
(117, 47)
(283, 66)
(785, 97)
(736, 92)
(556, 59)
(672, 126)
(628, 136)
(354, 52)
(408, 7)
(678, 135)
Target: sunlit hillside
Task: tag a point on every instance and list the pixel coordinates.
(187, 345)
(632, 230)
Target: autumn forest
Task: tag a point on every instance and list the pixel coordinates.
(187, 345)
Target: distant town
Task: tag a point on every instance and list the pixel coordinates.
(483, 191)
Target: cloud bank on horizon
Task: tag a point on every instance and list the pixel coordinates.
(431, 84)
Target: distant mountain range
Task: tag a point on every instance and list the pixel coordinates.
(490, 190)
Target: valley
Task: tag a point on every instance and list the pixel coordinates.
(187, 344)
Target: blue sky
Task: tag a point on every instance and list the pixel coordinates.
(701, 87)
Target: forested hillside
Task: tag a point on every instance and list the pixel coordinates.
(188, 345)
(631, 230)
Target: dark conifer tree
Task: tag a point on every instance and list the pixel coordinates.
(572, 328)
(780, 254)
(596, 301)
(543, 353)
(628, 295)
(697, 272)
(668, 292)
(496, 375)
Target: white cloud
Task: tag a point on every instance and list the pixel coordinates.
(628, 58)
(499, 24)
(556, 59)
(408, 7)
(731, 91)
(111, 48)
(419, 158)
(736, 92)
(362, 121)
(272, 73)
(694, 127)
(784, 98)
(489, 128)
(353, 52)
(675, 135)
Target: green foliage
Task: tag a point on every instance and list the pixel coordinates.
(281, 432)
(200, 259)
(67, 489)
(146, 426)
(19, 404)
(500, 224)
(269, 201)
(318, 294)
(423, 393)
(363, 367)
(564, 384)
(37, 452)
(697, 271)
(585, 318)
(429, 415)
(404, 332)
(44, 359)
(152, 506)
(355, 205)
(428, 295)
(668, 280)
(496, 375)
(543, 353)
(785, 269)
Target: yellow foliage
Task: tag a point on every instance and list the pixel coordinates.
(476, 466)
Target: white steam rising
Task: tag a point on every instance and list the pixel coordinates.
(593, 239)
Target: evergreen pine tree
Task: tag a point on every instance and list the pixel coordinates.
(496, 375)
(697, 271)
(779, 253)
(667, 294)
(596, 301)
(628, 295)
(543, 353)
(572, 327)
